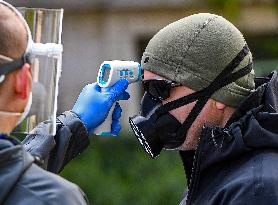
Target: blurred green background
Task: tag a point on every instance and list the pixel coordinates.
(116, 171)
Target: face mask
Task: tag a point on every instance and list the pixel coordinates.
(153, 132)
(22, 115)
(156, 129)
(26, 110)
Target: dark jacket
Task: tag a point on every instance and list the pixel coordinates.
(24, 182)
(54, 152)
(238, 164)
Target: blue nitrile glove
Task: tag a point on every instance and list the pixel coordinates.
(116, 125)
(93, 106)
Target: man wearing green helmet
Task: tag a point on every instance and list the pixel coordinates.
(202, 98)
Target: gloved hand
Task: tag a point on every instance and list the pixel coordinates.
(116, 125)
(93, 106)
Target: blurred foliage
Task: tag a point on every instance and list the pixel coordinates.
(265, 67)
(116, 171)
(263, 47)
(230, 8)
(265, 51)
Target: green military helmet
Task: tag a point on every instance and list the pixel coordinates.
(194, 50)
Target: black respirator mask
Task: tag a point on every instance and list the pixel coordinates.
(156, 128)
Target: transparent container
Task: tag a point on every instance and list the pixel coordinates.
(46, 27)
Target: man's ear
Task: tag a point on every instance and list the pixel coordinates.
(22, 81)
(219, 105)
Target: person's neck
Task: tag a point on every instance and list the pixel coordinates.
(7, 124)
(227, 115)
(194, 132)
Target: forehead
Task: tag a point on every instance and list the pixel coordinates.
(149, 75)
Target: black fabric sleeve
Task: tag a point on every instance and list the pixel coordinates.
(54, 152)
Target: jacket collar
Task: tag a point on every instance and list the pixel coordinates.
(250, 127)
(14, 160)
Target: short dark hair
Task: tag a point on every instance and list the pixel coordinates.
(13, 34)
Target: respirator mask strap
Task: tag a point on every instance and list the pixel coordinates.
(201, 102)
(157, 128)
(13, 65)
(226, 77)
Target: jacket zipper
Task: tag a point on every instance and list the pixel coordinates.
(195, 171)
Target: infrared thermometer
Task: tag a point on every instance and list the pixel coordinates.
(109, 73)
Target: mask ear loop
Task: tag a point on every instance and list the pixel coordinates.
(17, 63)
(224, 78)
(201, 102)
(198, 94)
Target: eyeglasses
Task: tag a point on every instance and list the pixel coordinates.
(159, 89)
